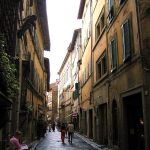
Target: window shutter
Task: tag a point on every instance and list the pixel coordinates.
(76, 86)
(113, 54)
(110, 9)
(126, 40)
(121, 1)
(104, 64)
(110, 4)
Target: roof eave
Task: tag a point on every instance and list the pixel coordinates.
(42, 16)
(81, 8)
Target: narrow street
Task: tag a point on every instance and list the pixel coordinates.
(53, 142)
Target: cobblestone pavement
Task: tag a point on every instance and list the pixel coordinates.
(52, 141)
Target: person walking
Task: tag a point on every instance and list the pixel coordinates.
(53, 126)
(63, 131)
(66, 134)
(70, 129)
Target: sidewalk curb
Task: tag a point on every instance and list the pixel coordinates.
(33, 145)
(93, 144)
(88, 141)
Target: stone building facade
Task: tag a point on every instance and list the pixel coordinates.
(26, 32)
(119, 98)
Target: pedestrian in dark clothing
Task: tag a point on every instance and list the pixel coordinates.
(49, 127)
(66, 134)
(63, 131)
(70, 129)
(53, 126)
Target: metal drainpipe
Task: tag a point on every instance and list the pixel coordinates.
(20, 83)
(92, 70)
(108, 89)
(139, 28)
(92, 58)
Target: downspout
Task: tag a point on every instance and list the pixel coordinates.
(80, 96)
(92, 58)
(20, 83)
(139, 27)
(92, 70)
(108, 91)
(108, 82)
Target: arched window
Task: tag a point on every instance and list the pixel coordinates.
(115, 122)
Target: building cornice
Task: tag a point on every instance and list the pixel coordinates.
(81, 8)
(42, 17)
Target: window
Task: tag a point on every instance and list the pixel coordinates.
(110, 10)
(101, 65)
(121, 1)
(113, 54)
(97, 30)
(90, 68)
(100, 25)
(126, 37)
(102, 21)
(94, 3)
(31, 2)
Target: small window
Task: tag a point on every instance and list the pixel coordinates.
(126, 37)
(97, 30)
(100, 24)
(101, 66)
(102, 21)
(113, 54)
(121, 1)
(110, 10)
(31, 2)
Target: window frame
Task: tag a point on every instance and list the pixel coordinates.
(121, 2)
(100, 68)
(98, 26)
(110, 10)
(125, 41)
(113, 53)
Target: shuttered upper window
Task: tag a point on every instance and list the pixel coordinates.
(113, 54)
(101, 66)
(126, 37)
(110, 9)
(121, 1)
(100, 24)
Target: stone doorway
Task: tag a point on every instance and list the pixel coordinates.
(134, 123)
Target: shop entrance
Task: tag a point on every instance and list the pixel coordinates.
(133, 114)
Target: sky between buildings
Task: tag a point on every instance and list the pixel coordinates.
(62, 20)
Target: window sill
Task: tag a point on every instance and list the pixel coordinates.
(100, 79)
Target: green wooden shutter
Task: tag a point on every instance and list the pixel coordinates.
(113, 53)
(126, 40)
